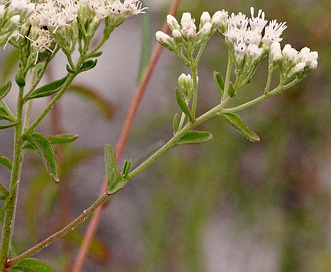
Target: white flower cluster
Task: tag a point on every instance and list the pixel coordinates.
(291, 61)
(186, 32)
(249, 39)
(47, 17)
(12, 15)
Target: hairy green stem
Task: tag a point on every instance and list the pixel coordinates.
(80, 219)
(8, 225)
(228, 75)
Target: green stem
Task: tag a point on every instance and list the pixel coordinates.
(270, 72)
(228, 75)
(80, 219)
(195, 89)
(172, 142)
(8, 225)
(50, 105)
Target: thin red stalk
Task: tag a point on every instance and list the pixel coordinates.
(96, 217)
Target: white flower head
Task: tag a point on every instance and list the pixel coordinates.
(257, 22)
(239, 20)
(189, 28)
(290, 54)
(127, 8)
(254, 51)
(252, 36)
(220, 20)
(309, 57)
(273, 31)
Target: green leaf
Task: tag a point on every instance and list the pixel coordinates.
(117, 185)
(7, 201)
(87, 65)
(69, 69)
(183, 105)
(3, 194)
(43, 146)
(8, 126)
(62, 138)
(4, 114)
(236, 121)
(5, 162)
(48, 89)
(126, 168)
(195, 137)
(32, 265)
(95, 55)
(5, 89)
(110, 164)
(231, 91)
(219, 83)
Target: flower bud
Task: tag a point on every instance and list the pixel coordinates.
(172, 22)
(165, 40)
(185, 84)
(205, 18)
(220, 20)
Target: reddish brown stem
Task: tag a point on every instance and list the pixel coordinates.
(136, 100)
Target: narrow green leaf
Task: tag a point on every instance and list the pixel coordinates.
(175, 123)
(195, 137)
(110, 164)
(8, 126)
(43, 146)
(3, 193)
(7, 201)
(5, 89)
(117, 185)
(62, 138)
(219, 83)
(87, 65)
(236, 121)
(20, 78)
(69, 69)
(231, 91)
(32, 265)
(48, 89)
(95, 55)
(5, 162)
(183, 105)
(126, 168)
(4, 114)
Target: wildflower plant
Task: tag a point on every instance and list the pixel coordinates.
(40, 29)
